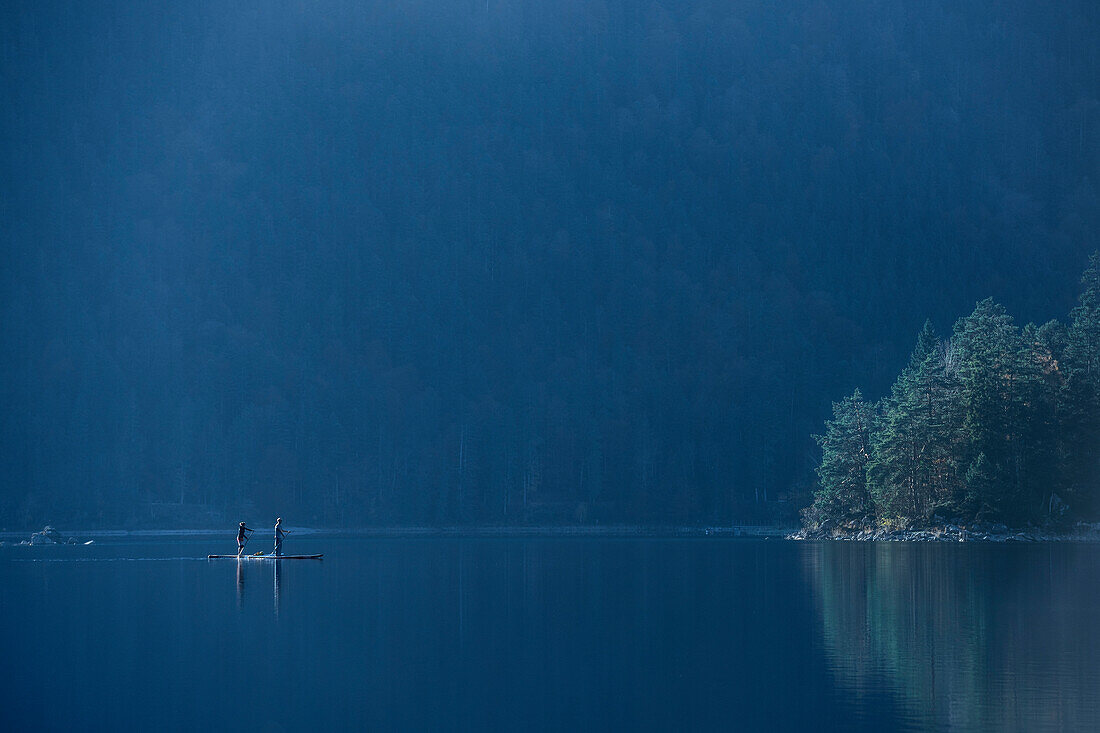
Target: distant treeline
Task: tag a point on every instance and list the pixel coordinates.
(996, 422)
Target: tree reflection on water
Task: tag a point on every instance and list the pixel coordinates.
(989, 637)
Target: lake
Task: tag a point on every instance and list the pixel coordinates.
(551, 634)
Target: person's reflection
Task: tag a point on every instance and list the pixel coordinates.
(277, 582)
(240, 584)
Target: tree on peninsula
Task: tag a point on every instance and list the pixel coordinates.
(998, 422)
(846, 450)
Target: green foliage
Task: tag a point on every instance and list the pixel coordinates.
(996, 421)
(845, 449)
(1084, 339)
(1001, 397)
(1079, 393)
(913, 470)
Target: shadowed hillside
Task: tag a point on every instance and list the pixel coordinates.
(451, 262)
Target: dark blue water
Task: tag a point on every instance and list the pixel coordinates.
(552, 634)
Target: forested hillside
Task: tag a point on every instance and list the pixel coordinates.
(462, 261)
(995, 422)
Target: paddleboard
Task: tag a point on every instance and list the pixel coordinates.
(264, 557)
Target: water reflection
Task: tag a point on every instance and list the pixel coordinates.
(240, 584)
(988, 637)
(547, 634)
(277, 574)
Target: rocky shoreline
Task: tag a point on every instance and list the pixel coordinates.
(948, 532)
(50, 536)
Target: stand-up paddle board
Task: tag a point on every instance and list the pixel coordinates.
(264, 557)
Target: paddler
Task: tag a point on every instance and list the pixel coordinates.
(279, 532)
(242, 538)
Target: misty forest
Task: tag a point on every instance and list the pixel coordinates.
(456, 262)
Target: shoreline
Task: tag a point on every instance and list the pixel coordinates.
(1081, 532)
(611, 532)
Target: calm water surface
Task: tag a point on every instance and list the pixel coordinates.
(552, 634)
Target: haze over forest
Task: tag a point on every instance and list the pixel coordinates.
(452, 262)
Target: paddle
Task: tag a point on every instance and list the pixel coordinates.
(279, 546)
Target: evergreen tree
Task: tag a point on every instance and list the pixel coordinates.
(1084, 337)
(1067, 411)
(1039, 423)
(845, 451)
(913, 465)
(997, 420)
(1079, 396)
(999, 381)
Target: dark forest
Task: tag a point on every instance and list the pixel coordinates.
(480, 262)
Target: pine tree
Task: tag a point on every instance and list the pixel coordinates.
(1079, 396)
(999, 420)
(998, 384)
(1085, 319)
(845, 451)
(913, 468)
(1039, 429)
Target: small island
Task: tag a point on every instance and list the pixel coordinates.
(991, 433)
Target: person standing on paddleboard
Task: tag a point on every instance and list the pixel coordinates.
(242, 538)
(279, 532)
